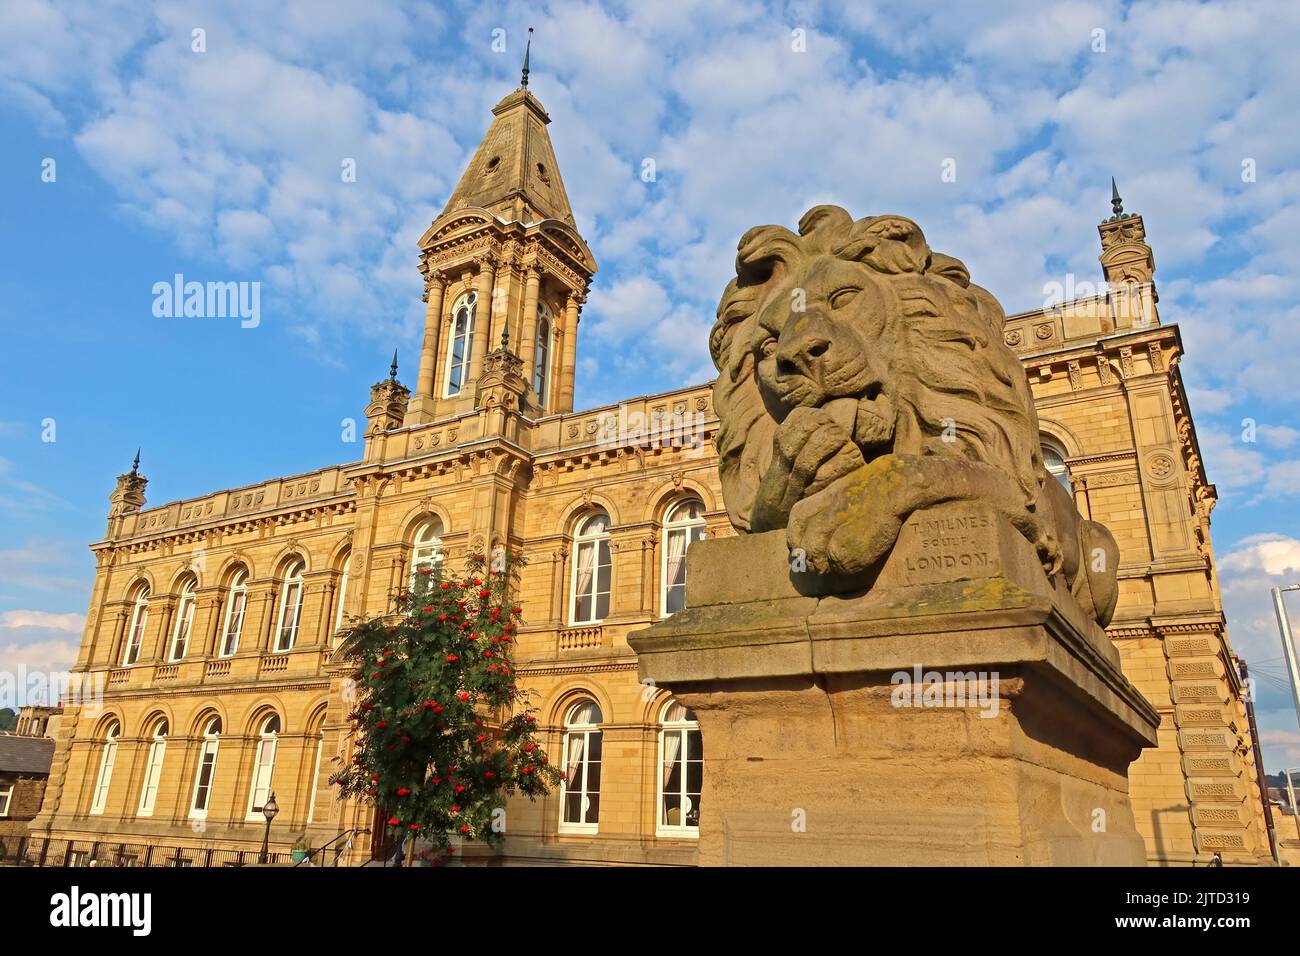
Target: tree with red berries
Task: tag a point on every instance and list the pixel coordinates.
(441, 732)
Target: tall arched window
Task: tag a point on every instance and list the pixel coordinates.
(139, 621)
(681, 776)
(1054, 462)
(580, 789)
(184, 620)
(290, 607)
(426, 548)
(153, 769)
(542, 353)
(263, 766)
(207, 768)
(592, 568)
(106, 760)
(461, 346)
(683, 525)
(342, 598)
(236, 604)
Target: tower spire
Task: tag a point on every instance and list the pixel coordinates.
(392, 369)
(135, 465)
(523, 80)
(1116, 204)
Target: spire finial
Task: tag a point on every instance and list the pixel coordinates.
(392, 369)
(505, 337)
(1116, 204)
(135, 465)
(523, 80)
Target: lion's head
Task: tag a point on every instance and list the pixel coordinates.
(862, 318)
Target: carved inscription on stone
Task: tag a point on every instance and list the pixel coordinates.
(948, 548)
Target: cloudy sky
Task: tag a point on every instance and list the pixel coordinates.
(224, 163)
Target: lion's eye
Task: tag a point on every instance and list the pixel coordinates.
(842, 297)
(768, 348)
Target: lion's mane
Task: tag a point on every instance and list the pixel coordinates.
(955, 387)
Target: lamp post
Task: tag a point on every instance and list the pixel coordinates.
(1288, 642)
(269, 810)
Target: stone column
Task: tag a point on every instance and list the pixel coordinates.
(571, 309)
(421, 409)
(482, 320)
(528, 329)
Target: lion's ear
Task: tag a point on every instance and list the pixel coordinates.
(759, 248)
(954, 270)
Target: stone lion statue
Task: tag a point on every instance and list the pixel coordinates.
(863, 377)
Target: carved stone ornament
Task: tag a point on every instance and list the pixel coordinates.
(892, 392)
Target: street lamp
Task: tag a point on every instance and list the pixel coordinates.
(269, 810)
(1288, 642)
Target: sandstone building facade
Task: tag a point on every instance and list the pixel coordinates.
(213, 620)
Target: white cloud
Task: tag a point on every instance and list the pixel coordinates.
(72, 623)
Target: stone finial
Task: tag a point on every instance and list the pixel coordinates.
(1116, 204)
(128, 496)
(388, 402)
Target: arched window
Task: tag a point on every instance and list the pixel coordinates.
(139, 621)
(207, 768)
(542, 353)
(153, 769)
(683, 525)
(184, 620)
(342, 593)
(461, 346)
(426, 548)
(290, 607)
(106, 760)
(580, 789)
(681, 777)
(263, 766)
(591, 570)
(1054, 462)
(236, 604)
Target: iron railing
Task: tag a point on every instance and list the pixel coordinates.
(42, 851)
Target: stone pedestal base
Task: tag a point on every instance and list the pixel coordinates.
(960, 711)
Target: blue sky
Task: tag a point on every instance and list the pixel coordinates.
(224, 165)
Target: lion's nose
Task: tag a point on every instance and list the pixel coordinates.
(802, 356)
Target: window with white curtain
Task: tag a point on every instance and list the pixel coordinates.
(681, 771)
(342, 594)
(106, 760)
(6, 795)
(580, 788)
(542, 353)
(184, 620)
(426, 548)
(1054, 462)
(139, 621)
(461, 345)
(683, 525)
(290, 607)
(592, 569)
(263, 766)
(236, 604)
(207, 768)
(153, 769)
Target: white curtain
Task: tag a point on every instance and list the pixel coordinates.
(672, 744)
(676, 554)
(586, 566)
(576, 742)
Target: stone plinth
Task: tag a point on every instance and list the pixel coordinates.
(1016, 754)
